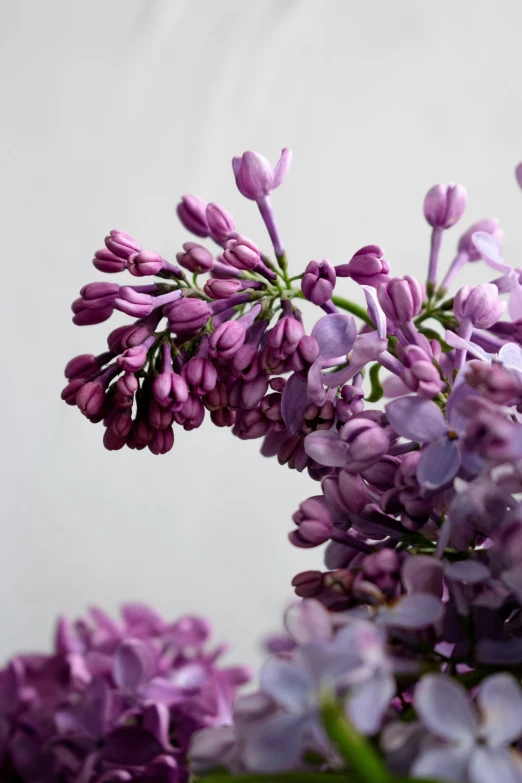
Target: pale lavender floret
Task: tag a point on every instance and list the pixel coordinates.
(463, 746)
(401, 299)
(479, 305)
(255, 177)
(444, 205)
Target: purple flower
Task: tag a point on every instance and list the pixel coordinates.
(255, 177)
(314, 523)
(187, 315)
(242, 254)
(367, 267)
(195, 258)
(444, 206)
(401, 299)
(478, 305)
(146, 262)
(192, 213)
(466, 747)
(359, 444)
(220, 222)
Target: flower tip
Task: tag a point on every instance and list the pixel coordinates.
(518, 175)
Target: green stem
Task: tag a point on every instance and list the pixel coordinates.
(351, 307)
(357, 751)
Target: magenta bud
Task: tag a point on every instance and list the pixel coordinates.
(121, 424)
(251, 424)
(401, 299)
(121, 244)
(367, 441)
(220, 222)
(488, 226)
(223, 417)
(143, 433)
(444, 206)
(226, 340)
(124, 337)
(108, 262)
(146, 262)
(191, 212)
(200, 374)
(367, 267)
(70, 392)
(90, 398)
(216, 398)
(195, 258)
(134, 303)
(87, 317)
(127, 384)
(132, 359)
(191, 413)
(170, 390)
(241, 253)
(162, 442)
(81, 366)
(314, 521)
(187, 315)
(248, 394)
(306, 354)
(478, 304)
(255, 176)
(286, 334)
(99, 295)
(222, 289)
(318, 282)
(420, 374)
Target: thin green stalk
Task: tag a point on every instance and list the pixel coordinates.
(353, 308)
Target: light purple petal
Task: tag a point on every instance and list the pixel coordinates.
(132, 664)
(294, 403)
(415, 611)
(443, 762)
(471, 572)
(515, 302)
(282, 166)
(494, 766)
(308, 621)
(500, 702)
(375, 310)
(326, 448)
(275, 744)
(315, 388)
(458, 342)
(367, 348)
(511, 356)
(439, 463)
(287, 683)
(335, 334)
(212, 747)
(393, 386)
(416, 418)
(443, 706)
(422, 574)
(490, 251)
(369, 701)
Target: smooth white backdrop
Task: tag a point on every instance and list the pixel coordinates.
(113, 108)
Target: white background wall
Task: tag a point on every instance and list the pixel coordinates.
(110, 110)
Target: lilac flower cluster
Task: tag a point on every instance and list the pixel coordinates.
(115, 701)
(418, 500)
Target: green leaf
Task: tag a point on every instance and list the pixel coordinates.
(376, 391)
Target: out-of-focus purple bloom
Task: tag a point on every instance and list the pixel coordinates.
(255, 177)
(318, 282)
(465, 746)
(192, 213)
(478, 305)
(314, 523)
(420, 374)
(444, 206)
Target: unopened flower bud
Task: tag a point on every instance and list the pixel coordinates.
(318, 282)
(314, 521)
(220, 222)
(191, 212)
(444, 206)
(222, 289)
(121, 244)
(367, 267)
(90, 398)
(162, 442)
(251, 424)
(241, 253)
(286, 334)
(146, 262)
(132, 359)
(200, 374)
(226, 340)
(401, 299)
(196, 258)
(255, 177)
(187, 315)
(478, 305)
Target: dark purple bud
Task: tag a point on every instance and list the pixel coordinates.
(108, 262)
(135, 334)
(292, 453)
(445, 205)
(132, 359)
(196, 258)
(271, 407)
(81, 366)
(90, 398)
(318, 417)
(488, 226)
(200, 375)
(159, 418)
(143, 432)
(367, 442)
(383, 569)
(88, 317)
(318, 282)
(146, 262)
(245, 363)
(162, 442)
(220, 223)
(226, 340)
(127, 384)
(251, 424)
(242, 254)
(286, 334)
(255, 177)
(191, 413)
(121, 425)
(216, 398)
(121, 244)
(478, 305)
(350, 402)
(306, 354)
(170, 390)
(494, 382)
(308, 584)
(223, 417)
(187, 315)
(191, 212)
(314, 521)
(70, 392)
(248, 394)
(366, 267)
(401, 299)
(222, 289)
(272, 361)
